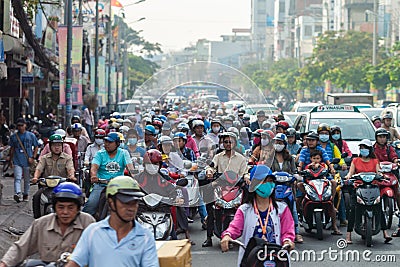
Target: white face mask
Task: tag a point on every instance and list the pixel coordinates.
(99, 141)
(151, 168)
(264, 141)
(279, 147)
(215, 129)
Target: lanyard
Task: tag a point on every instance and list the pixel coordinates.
(263, 225)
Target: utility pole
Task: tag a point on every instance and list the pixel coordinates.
(109, 100)
(374, 35)
(68, 76)
(117, 57)
(96, 61)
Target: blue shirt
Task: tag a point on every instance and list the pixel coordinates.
(98, 246)
(138, 151)
(305, 155)
(293, 148)
(110, 168)
(270, 234)
(29, 140)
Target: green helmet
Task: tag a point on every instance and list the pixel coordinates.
(124, 185)
(55, 138)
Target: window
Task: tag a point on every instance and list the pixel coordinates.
(307, 30)
(318, 28)
(281, 7)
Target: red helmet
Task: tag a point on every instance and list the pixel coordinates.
(157, 123)
(152, 156)
(283, 124)
(100, 133)
(269, 133)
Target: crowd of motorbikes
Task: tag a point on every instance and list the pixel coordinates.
(156, 212)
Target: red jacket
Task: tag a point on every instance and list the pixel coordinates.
(382, 153)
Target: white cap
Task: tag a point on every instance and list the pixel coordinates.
(366, 142)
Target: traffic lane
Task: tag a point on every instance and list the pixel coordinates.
(312, 252)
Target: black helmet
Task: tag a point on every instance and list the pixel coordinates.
(75, 118)
(323, 127)
(290, 132)
(312, 136)
(336, 128)
(381, 131)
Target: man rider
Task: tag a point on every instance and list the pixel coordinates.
(150, 137)
(119, 239)
(258, 123)
(227, 160)
(82, 140)
(55, 233)
(66, 147)
(387, 125)
(107, 164)
(98, 144)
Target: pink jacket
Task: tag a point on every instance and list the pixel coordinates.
(191, 143)
(46, 149)
(245, 221)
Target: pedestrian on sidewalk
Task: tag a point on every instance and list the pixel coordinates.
(24, 146)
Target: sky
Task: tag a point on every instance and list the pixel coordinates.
(176, 24)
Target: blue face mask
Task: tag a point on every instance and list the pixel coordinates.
(132, 141)
(324, 138)
(265, 190)
(156, 132)
(364, 152)
(336, 136)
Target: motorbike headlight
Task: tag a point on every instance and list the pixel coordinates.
(52, 182)
(145, 225)
(360, 201)
(162, 228)
(377, 200)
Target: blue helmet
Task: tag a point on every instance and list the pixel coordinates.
(67, 191)
(260, 172)
(149, 129)
(162, 118)
(112, 137)
(180, 135)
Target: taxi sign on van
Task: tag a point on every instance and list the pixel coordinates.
(335, 108)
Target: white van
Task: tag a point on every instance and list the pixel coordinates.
(127, 108)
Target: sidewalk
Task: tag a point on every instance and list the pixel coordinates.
(13, 214)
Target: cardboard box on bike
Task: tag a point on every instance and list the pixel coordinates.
(174, 253)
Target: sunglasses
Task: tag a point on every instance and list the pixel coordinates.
(18, 125)
(227, 142)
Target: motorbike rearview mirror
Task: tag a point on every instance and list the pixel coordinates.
(182, 182)
(187, 164)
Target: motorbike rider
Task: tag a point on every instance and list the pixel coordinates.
(131, 144)
(246, 120)
(119, 239)
(150, 137)
(55, 233)
(385, 152)
(336, 137)
(261, 215)
(258, 123)
(76, 119)
(216, 128)
(292, 144)
(107, 164)
(191, 143)
(281, 127)
(376, 120)
(227, 160)
(98, 144)
(324, 131)
(365, 162)
(244, 137)
(66, 147)
(199, 136)
(180, 140)
(387, 125)
(265, 150)
(239, 147)
(82, 140)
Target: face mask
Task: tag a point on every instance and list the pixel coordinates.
(323, 138)
(228, 125)
(99, 141)
(215, 129)
(377, 124)
(157, 132)
(279, 147)
(336, 136)
(132, 141)
(151, 168)
(256, 140)
(264, 142)
(364, 152)
(265, 190)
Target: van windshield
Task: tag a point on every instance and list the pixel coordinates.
(126, 108)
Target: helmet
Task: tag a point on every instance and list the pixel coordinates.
(260, 172)
(166, 126)
(165, 140)
(172, 116)
(257, 133)
(233, 130)
(290, 132)
(180, 135)
(157, 122)
(67, 192)
(121, 137)
(75, 118)
(283, 124)
(124, 129)
(76, 127)
(99, 133)
(55, 138)
(113, 137)
(60, 132)
(196, 123)
(312, 136)
(116, 115)
(375, 117)
(183, 126)
(336, 128)
(226, 134)
(323, 127)
(281, 137)
(149, 129)
(387, 115)
(152, 156)
(215, 121)
(124, 185)
(366, 142)
(269, 133)
(246, 117)
(381, 131)
(162, 118)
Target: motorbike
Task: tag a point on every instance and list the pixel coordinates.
(368, 210)
(228, 197)
(259, 253)
(61, 262)
(388, 187)
(317, 201)
(42, 199)
(284, 188)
